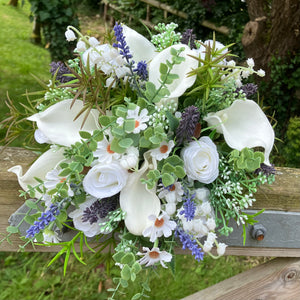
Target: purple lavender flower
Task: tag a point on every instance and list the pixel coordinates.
(141, 70)
(43, 221)
(100, 209)
(122, 45)
(188, 123)
(189, 206)
(62, 71)
(188, 242)
(188, 38)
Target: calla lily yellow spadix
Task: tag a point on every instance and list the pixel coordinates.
(137, 201)
(244, 124)
(58, 123)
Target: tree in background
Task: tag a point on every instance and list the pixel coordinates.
(272, 39)
(53, 17)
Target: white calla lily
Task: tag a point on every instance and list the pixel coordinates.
(140, 48)
(244, 124)
(58, 125)
(137, 201)
(45, 163)
(180, 85)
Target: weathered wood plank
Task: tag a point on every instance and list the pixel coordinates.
(287, 184)
(276, 279)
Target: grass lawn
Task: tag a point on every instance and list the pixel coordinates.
(19, 57)
(26, 275)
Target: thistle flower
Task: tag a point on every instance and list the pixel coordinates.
(188, 38)
(62, 71)
(188, 124)
(248, 89)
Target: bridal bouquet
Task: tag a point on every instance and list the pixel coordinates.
(150, 145)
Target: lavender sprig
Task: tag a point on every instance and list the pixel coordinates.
(188, 242)
(43, 221)
(189, 206)
(122, 45)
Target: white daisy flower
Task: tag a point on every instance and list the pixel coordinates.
(104, 154)
(172, 193)
(52, 179)
(140, 118)
(162, 226)
(163, 151)
(153, 256)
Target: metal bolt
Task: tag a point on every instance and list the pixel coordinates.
(258, 232)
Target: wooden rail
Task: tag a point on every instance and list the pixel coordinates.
(277, 279)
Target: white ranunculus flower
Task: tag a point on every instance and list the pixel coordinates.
(244, 124)
(57, 123)
(201, 160)
(105, 180)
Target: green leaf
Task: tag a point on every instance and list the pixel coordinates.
(85, 135)
(136, 296)
(125, 143)
(121, 112)
(12, 229)
(62, 217)
(128, 258)
(114, 146)
(80, 159)
(124, 283)
(98, 135)
(129, 125)
(173, 121)
(148, 133)
(39, 237)
(163, 68)
(155, 140)
(29, 219)
(150, 88)
(118, 256)
(173, 51)
(31, 204)
(93, 145)
(179, 172)
(167, 168)
(65, 172)
(136, 267)
(167, 179)
(133, 276)
(175, 160)
(125, 272)
(104, 121)
(146, 286)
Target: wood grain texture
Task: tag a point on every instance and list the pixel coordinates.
(284, 195)
(278, 279)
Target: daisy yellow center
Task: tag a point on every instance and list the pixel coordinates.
(109, 150)
(137, 124)
(153, 254)
(159, 222)
(163, 148)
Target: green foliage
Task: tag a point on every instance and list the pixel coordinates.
(292, 143)
(246, 159)
(231, 13)
(54, 17)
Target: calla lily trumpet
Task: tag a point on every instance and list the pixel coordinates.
(45, 163)
(141, 49)
(58, 124)
(137, 201)
(244, 124)
(183, 82)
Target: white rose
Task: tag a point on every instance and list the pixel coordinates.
(201, 160)
(105, 180)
